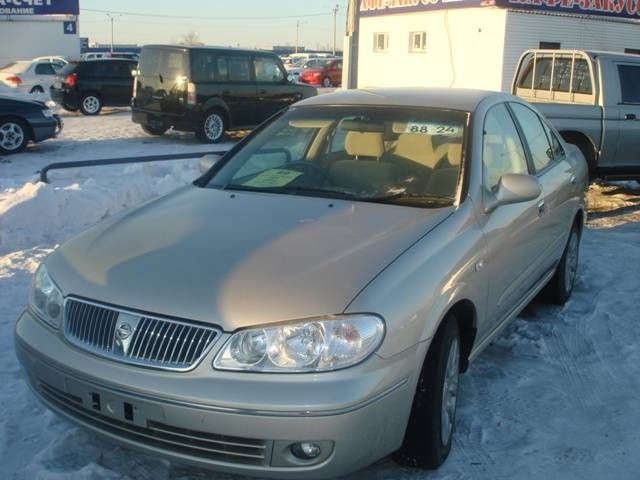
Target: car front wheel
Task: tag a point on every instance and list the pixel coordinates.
(212, 127)
(90, 104)
(326, 82)
(14, 135)
(428, 437)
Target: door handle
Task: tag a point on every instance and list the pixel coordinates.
(630, 116)
(541, 207)
(573, 179)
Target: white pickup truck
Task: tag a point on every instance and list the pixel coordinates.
(593, 99)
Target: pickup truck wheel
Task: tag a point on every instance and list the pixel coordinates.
(427, 440)
(212, 127)
(91, 104)
(326, 82)
(560, 287)
(14, 135)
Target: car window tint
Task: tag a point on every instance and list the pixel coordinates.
(122, 69)
(535, 135)
(203, 66)
(502, 148)
(582, 77)
(45, 69)
(630, 83)
(234, 69)
(170, 63)
(268, 70)
(562, 74)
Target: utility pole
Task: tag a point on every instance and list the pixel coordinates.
(112, 17)
(297, 35)
(335, 28)
(353, 40)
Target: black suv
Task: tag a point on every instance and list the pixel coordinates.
(90, 85)
(210, 90)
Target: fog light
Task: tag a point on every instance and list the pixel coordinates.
(305, 450)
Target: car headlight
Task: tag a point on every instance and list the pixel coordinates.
(45, 298)
(47, 112)
(314, 345)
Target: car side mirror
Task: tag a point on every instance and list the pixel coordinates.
(290, 78)
(208, 161)
(513, 188)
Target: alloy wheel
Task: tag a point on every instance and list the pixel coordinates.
(214, 127)
(450, 391)
(11, 136)
(91, 104)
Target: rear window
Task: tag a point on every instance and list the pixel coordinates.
(68, 69)
(630, 83)
(559, 71)
(167, 62)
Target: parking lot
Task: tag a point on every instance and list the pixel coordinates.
(553, 397)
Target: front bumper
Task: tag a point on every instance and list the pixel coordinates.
(46, 128)
(234, 422)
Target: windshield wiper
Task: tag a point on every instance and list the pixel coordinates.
(318, 192)
(422, 198)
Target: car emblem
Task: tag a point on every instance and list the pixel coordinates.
(123, 335)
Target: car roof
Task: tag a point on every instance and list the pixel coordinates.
(444, 98)
(221, 49)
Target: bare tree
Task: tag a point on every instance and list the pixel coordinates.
(191, 39)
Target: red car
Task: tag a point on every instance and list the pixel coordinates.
(327, 74)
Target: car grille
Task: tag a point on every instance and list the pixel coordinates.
(136, 338)
(202, 445)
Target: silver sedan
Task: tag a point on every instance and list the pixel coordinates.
(306, 307)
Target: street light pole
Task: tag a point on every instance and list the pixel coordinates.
(353, 37)
(335, 28)
(112, 17)
(297, 35)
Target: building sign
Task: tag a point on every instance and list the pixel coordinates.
(70, 28)
(39, 7)
(629, 9)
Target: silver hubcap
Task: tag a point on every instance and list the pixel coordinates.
(450, 391)
(571, 262)
(214, 127)
(91, 104)
(11, 136)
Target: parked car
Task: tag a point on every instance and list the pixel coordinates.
(306, 307)
(593, 99)
(297, 68)
(24, 121)
(210, 90)
(93, 55)
(31, 76)
(89, 85)
(127, 55)
(326, 74)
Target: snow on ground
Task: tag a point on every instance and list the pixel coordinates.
(554, 397)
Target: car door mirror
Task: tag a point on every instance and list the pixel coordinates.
(208, 161)
(513, 188)
(290, 78)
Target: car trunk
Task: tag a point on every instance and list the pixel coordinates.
(162, 81)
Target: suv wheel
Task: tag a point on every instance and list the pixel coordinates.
(90, 104)
(427, 441)
(326, 82)
(156, 131)
(212, 127)
(14, 135)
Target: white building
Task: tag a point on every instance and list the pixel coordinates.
(37, 28)
(476, 43)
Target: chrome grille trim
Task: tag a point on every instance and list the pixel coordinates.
(155, 342)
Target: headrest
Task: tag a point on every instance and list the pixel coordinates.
(365, 144)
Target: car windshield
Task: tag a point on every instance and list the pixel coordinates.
(408, 156)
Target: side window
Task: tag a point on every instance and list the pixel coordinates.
(502, 149)
(234, 69)
(203, 66)
(558, 151)
(630, 83)
(268, 70)
(45, 69)
(535, 135)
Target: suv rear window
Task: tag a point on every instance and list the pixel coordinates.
(169, 63)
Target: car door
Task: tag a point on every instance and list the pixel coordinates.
(237, 88)
(336, 73)
(628, 151)
(514, 244)
(274, 90)
(121, 81)
(555, 174)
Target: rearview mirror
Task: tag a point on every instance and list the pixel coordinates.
(208, 161)
(513, 188)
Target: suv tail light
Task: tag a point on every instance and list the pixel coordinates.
(13, 80)
(70, 80)
(191, 93)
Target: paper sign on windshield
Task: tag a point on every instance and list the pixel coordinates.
(276, 177)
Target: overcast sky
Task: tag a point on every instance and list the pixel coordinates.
(245, 23)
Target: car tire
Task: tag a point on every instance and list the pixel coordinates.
(212, 127)
(429, 433)
(155, 131)
(69, 109)
(327, 83)
(560, 287)
(90, 104)
(14, 135)
(37, 89)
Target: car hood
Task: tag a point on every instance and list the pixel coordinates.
(238, 259)
(8, 101)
